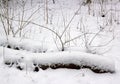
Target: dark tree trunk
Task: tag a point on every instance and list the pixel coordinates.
(53, 1)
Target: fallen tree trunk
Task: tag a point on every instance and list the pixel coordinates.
(73, 66)
(73, 60)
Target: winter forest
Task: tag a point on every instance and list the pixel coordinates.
(59, 41)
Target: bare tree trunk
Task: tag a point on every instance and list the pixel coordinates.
(53, 1)
(46, 11)
(7, 15)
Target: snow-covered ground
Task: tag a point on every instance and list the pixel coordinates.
(91, 38)
(59, 76)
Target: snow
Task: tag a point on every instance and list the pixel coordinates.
(64, 76)
(40, 46)
(78, 58)
(23, 44)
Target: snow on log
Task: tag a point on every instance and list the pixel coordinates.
(73, 60)
(23, 44)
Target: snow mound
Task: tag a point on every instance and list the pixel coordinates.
(73, 60)
(23, 44)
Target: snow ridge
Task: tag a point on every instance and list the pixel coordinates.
(61, 59)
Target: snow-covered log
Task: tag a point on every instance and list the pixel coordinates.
(73, 60)
(23, 44)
